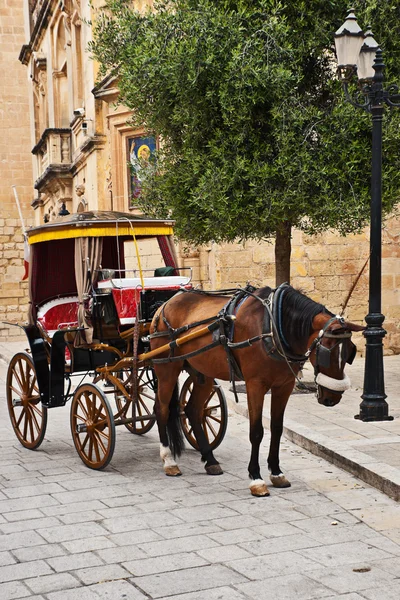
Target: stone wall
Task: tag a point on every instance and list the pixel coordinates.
(324, 267)
(16, 168)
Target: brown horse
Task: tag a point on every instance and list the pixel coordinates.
(269, 334)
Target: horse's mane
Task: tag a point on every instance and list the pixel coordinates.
(298, 312)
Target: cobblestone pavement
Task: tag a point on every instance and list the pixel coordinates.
(129, 532)
(370, 451)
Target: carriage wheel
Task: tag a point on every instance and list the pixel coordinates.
(92, 426)
(28, 416)
(143, 408)
(215, 415)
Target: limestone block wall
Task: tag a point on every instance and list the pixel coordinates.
(16, 168)
(323, 266)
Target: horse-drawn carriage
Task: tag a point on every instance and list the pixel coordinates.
(124, 334)
(91, 304)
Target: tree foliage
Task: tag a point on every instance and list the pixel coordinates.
(254, 126)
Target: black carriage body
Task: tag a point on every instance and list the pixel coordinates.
(51, 368)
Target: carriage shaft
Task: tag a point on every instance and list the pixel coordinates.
(176, 343)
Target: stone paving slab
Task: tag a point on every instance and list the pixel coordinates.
(371, 451)
(130, 533)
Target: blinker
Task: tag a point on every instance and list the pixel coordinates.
(323, 356)
(352, 353)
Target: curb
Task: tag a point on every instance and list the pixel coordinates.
(317, 445)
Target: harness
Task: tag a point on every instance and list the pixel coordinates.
(221, 326)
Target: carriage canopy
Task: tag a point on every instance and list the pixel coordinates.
(67, 254)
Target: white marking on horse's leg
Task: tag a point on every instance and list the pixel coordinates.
(258, 487)
(170, 466)
(279, 481)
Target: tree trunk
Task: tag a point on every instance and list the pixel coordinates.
(283, 248)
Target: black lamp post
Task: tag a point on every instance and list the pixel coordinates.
(359, 56)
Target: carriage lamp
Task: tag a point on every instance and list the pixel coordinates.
(360, 61)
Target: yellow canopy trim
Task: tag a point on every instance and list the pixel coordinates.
(97, 231)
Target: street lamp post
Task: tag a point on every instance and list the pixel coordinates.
(359, 56)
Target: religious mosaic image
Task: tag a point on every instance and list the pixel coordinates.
(141, 152)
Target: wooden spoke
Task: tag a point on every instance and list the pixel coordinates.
(90, 452)
(17, 377)
(18, 392)
(25, 425)
(22, 374)
(97, 412)
(92, 426)
(217, 412)
(79, 417)
(20, 417)
(149, 396)
(83, 408)
(35, 407)
(96, 447)
(85, 441)
(143, 407)
(208, 424)
(99, 441)
(34, 419)
(29, 415)
(214, 418)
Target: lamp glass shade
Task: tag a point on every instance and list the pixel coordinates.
(348, 40)
(366, 57)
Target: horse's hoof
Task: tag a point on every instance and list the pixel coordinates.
(173, 471)
(214, 470)
(279, 481)
(258, 487)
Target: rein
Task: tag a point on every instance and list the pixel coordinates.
(221, 327)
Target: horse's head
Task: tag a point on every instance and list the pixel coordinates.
(332, 350)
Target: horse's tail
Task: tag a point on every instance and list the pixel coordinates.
(174, 427)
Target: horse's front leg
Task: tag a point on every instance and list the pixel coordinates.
(255, 402)
(194, 411)
(279, 399)
(167, 415)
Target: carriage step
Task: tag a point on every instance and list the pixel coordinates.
(16, 402)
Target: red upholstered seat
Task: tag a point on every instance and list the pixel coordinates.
(126, 292)
(60, 313)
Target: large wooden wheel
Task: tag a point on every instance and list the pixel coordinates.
(142, 410)
(92, 426)
(215, 415)
(28, 416)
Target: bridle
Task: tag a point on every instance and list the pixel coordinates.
(323, 357)
(323, 354)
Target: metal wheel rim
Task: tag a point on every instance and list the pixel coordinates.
(90, 408)
(144, 407)
(30, 419)
(214, 424)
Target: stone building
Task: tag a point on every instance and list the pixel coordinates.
(82, 144)
(16, 167)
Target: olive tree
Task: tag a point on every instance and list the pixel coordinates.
(257, 137)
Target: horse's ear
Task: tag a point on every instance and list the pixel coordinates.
(345, 326)
(353, 326)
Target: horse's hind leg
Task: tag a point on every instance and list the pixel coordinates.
(279, 399)
(194, 411)
(255, 401)
(168, 420)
